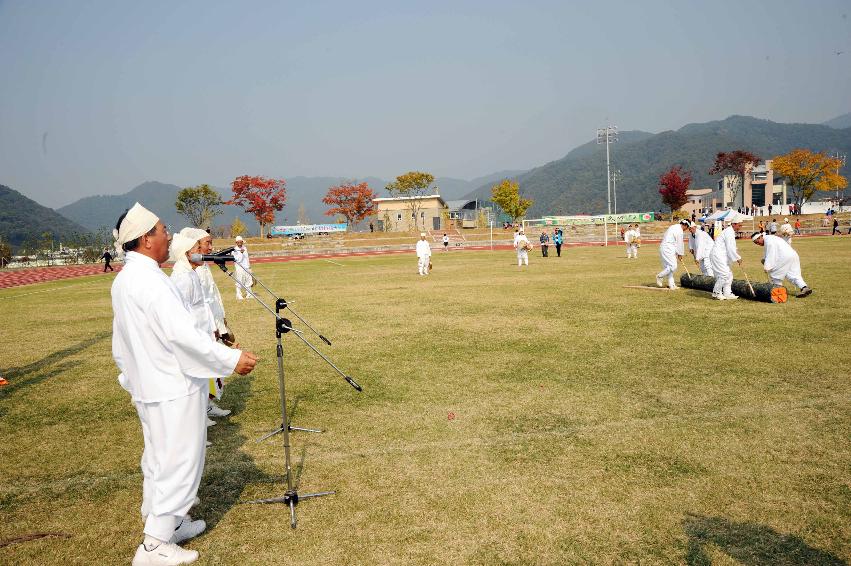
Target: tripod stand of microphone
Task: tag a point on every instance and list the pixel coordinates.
(283, 326)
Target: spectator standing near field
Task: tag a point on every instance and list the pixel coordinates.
(558, 240)
(545, 244)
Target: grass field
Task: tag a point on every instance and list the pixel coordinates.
(592, 423)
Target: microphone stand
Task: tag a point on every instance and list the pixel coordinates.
(283, 325)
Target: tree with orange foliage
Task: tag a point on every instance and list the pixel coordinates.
(260, 196)
(808, 172)
(354, 202)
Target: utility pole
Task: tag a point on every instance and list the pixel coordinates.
(616, 174)
(841, 157)
(608, 135)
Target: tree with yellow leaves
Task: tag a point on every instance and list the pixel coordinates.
(507, 196)
(808, 172)
(413, 185)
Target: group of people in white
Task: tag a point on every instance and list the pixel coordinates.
(715, 257)
(169, 342)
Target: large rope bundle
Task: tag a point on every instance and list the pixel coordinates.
(765, 292)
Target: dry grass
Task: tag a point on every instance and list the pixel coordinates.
(592, 423)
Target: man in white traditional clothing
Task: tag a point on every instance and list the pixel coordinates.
(781, 262)
(724, 253)
(671, 250)
(522, 245)
(423, 254)
(786, 231)
(222, 332)
(188, 283)
(630, 238)
(700, 244)
(165, 362)
(242, 269)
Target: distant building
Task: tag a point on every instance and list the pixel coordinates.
(394, 213)
(760, 189)
(464, 213)
(698, 201)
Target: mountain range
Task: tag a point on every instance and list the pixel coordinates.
(101, 211)
(576, 183)
(573, 184)
(24, 220)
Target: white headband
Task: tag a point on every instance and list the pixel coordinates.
(138, 222)
(182, 242)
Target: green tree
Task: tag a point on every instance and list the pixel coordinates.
(5, 253)
(199, 204)
(237, 228)
(412, 185)
(507, 196)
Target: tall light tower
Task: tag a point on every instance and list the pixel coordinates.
(608, 135)
(616, 175)
(842, 160)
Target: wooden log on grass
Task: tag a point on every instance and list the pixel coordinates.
(764, 292)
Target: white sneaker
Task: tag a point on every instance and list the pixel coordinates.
(188, 529)
(167, 554)
(659, 282)
(214, 410)
(673, 287)
(730, 297)
(719, 297)
(210, 422)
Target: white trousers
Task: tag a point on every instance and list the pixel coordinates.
(668, 257)
(631, 250)
(723, 276)
(522, 257)
(706, 267)
(241, 277)
(422, 264)
(175, 434)
(790, 271)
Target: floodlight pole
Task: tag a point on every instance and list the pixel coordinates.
(841, 157)
(608, 135)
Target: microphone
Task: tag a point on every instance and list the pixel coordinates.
(225, 251)
(215, 258)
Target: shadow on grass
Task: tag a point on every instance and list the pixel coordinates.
(748, 543)
(38, 371)
(229, 469)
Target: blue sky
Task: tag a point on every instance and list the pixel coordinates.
(99, 96)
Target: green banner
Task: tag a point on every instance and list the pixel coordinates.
(627, 218)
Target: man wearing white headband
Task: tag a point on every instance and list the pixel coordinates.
(700, 244)
(242, 269)
(185, 277)
(423, 254)
(214, 301)
(786, 231)
(630, 238)
(781, 262)
(522, 245)
(670, 251)
(165, 362)
(724, 253)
